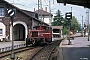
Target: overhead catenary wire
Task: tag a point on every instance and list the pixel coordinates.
(46, 3)
(15, 3)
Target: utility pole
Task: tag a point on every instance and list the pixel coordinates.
(71, 19)
(88, 24)
(82, 25)
(53, 1)
(50, 13)
(40, 10)
(71, 9)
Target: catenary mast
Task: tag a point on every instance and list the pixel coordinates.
(40, 10)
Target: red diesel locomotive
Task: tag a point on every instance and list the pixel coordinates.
(39, 35)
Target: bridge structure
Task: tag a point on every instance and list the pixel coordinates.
(85, 3)
(79, 48)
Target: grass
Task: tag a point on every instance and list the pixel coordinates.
(20, 55)
(57, 47)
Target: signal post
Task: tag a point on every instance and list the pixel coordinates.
(11, 12)
(68, 16)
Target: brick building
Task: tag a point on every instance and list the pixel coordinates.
(23, 22)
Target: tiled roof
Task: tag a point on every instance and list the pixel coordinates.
(44, 13)
(56, 27)
(25, 12)
(33, 14)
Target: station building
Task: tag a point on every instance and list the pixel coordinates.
(23, 22)
(56, 31)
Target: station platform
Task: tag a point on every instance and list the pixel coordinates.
(77, 42)
(7, 44)
(79, 49)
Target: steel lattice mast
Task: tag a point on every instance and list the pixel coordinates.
(40, 10)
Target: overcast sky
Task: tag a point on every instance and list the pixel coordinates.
(78, 11)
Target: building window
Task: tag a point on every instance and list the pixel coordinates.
(1, 12)
(0, 31)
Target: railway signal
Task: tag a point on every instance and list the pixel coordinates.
(68, 15)
(11, 12)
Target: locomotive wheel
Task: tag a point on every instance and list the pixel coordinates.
(33, 42)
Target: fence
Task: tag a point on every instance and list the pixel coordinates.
(10, 48)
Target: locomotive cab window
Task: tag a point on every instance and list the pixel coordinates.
(35, 28)
(46, 29)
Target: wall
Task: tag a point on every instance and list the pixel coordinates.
(2, 26)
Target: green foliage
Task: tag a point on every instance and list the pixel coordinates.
(75, 23)
(64, 31)
(58, 20)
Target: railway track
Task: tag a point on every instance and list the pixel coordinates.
(35, 53)
(45, 52)
(6, 53)
(16, 51)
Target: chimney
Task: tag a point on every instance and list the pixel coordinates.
(34, 9)
(46, 9)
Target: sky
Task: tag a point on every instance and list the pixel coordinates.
(77, 11)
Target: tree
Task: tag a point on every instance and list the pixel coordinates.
(75, 23)
(57, 21)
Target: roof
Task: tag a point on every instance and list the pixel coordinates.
(85, 3)
(44, 13)
(33, 14)
(15, 7)
(23, 11)
(56, 27)
(41, 26)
